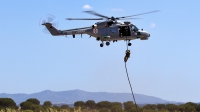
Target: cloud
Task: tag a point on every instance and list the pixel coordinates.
(87, 6)
(153, 25)
(117, 10)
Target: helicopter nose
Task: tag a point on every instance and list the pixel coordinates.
(148, 35)
(144, 35)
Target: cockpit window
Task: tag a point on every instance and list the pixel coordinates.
(134, 28)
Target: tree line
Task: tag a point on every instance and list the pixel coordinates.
(34, 105)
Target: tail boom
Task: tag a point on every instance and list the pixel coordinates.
(56, 32)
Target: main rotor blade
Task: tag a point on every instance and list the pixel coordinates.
(96, 14)
(84, 18)
(139, 14)
(128, 18)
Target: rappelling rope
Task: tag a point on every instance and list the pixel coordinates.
(131, 88)
(129, 79)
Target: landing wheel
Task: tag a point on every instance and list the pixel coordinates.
(129, 44)
(101, 45)
(98, 38)
(107, 43)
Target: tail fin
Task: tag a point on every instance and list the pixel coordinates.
(51, 29)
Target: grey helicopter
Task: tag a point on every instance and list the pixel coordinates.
(106, 31)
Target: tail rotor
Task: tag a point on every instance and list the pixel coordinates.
(48, 19)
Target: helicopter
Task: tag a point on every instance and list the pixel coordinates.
(106, 31)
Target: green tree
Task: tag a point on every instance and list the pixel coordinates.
(36, 108)
(104, 104)
(150, 107)
(80, 104)
(104, 110)
(171, 107)
(31, 104)
(128, 105)
(90, 104)
(64, 107)
(47, 104)
(7, 103)
(191, 104)
(56, 107)
(188, 107)
(181, 108)
(198, 108)
(26, 105)
(160, 106)
(116, 104)
(33, 101)
(116, 108)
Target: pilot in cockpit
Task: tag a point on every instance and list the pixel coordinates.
(134, 28)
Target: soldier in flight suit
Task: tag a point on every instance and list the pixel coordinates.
(128, 52)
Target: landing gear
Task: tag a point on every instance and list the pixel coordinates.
(114, 41)
(98, 38)
(129, 44)
(101, 45)
(107, 43)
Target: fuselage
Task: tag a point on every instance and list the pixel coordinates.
(104, 31)
(113, 32)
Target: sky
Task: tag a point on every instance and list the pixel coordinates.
(165, 66)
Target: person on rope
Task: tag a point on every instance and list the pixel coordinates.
(128, 52)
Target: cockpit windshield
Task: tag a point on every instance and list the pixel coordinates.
(134, 28)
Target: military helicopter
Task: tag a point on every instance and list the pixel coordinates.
(106, 31)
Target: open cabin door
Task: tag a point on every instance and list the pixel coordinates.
(124, 31)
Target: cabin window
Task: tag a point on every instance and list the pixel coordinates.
(134, 28)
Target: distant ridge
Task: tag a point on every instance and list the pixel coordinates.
(71, 96)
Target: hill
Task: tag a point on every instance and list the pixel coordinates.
(71, 96)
